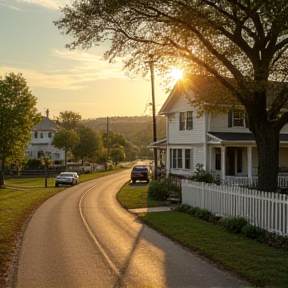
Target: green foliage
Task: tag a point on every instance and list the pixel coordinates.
(158, 190)
(200, 175)
(234, 224)
(68, 120)
(203, 214)
(253, 232)
(34, 164)
(17, 116)
(89, 144)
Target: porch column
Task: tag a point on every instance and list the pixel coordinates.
(168, 166)
(249, 163)
(223, 163)
(211, 157)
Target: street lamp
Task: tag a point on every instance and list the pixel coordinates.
(151, 66)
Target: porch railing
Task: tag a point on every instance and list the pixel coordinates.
(243, 181)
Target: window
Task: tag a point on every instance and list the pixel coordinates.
(236, 119)
(186, 120)
(35, 134)
(41, 135)
(49, 135)
(182, 121)
(187, 158)
(176, 157)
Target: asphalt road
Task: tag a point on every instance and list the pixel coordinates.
(82, 237)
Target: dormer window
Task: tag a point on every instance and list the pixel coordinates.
(236, 118)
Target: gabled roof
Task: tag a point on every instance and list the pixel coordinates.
(45, 125)
(200, 86)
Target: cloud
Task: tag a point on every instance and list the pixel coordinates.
(91, 66)
(73, 72)
(50, 4)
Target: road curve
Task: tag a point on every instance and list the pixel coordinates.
(82, 237)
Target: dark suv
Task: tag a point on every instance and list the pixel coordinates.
(140, 173)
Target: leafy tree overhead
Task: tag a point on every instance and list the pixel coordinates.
(18, 115)
(66, 140)
(242, 40)
(68, 120)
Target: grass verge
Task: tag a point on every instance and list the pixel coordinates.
(261, 265)
(17, 201)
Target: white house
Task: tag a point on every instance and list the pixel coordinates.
(41, 142)
(221, 142)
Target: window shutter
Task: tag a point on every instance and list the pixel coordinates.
(230, 118)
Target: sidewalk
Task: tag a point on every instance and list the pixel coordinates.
(151, 209)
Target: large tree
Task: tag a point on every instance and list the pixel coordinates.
(18, 115)
(242, 40)
(68, 120)
(66, 139)
(90, 143)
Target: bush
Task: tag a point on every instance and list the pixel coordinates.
(158, 190)
(193, 210)
(200, 175)
(253, 232)
(203, 214)
(234, 224)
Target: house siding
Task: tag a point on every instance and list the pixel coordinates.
(219, 123)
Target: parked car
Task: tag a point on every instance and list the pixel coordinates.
(66, 178)
(140, 173)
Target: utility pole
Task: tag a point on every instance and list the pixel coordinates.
(107, 162)
(151, 65)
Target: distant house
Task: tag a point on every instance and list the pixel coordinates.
(41, 142)
(221, 143)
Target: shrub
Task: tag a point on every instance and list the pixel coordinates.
(253, 232)
(203, 214)
(183, 208)
(193, 210)
(234, 224)
(200, 175)
(158, 190)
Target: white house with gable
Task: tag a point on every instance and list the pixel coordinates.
(41, 142)
(220, 142)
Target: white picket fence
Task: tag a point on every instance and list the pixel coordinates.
(262, 209)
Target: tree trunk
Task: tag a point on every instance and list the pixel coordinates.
(2, 172)
(267, 140)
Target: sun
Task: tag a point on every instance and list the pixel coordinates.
(175, 73)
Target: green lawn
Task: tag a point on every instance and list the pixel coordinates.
(255, 262)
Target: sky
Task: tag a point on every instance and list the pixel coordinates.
(63, 80)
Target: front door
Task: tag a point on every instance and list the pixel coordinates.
(233, 161)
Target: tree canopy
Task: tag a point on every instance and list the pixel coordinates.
(68, 120)
(66, 139)
(241, 43)
(18, 115)
(90, 143)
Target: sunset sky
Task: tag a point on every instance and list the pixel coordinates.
(78, 81)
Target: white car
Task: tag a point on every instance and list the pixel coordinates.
(66, 178)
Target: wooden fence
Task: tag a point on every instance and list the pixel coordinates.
(262, 209)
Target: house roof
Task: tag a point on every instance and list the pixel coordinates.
(240, 137)
(199, 86)
(158, 144)
(45, 125)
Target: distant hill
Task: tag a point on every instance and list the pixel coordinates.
(136, 129)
